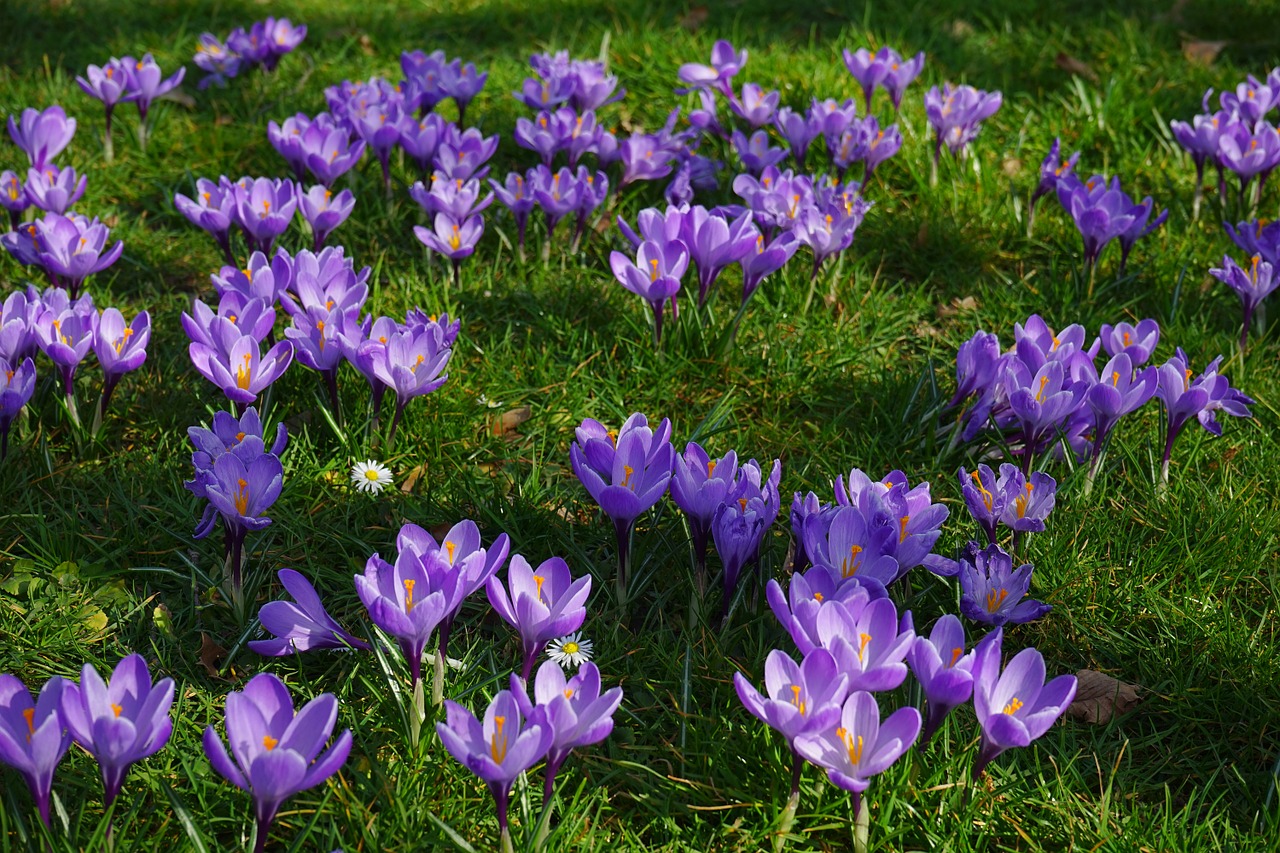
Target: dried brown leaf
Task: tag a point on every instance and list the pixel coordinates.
(411, 478)
(1201, 52)
(695, 18)
(1099, 697)
(509, 420)
(210, 654)
(1072, 65)
(966, 305)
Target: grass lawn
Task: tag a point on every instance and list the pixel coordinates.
(1176, 594)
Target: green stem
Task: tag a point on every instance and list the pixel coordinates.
(861, 823)
(417, 713)
(437, 683)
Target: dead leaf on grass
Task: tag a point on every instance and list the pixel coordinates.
(509, 420)
(210, 654)
(958, 306)
(1201, 52)
(695, 18)
(1100, 697)
(1072, 65)
(411, 478)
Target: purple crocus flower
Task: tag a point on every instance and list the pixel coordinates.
(462, 83)
(1184, 399)
(575, 709)
(827, 233)
(1009, 499)
(699, 485)
(1252, 286)
(1016, 706)
(66, 337)
(943, 669)
(241, 492)
(411, 363)
(976, 363)
(1200, 140)
(714, 243)
(861, 746)
(498, 750)
(1040, 401)
(451, 238)
(740, 523)
(264, 209)
(42, 135)
(867, 640)
(408, 600)
(329, 152)
(33, 735)
(886, 68)
(107, 84)
(214, 57)
(277, 753)
(992, 590)
(756, 106)
(798, 130)
(19, 383)
(516, 195)
(72, 248)
(764, 260)
(845, 544)
(282, 37)
(1053, 171)
(324, 211)
(213, 209)
(654, 275)
(543, 603)
(1118, 392)
(463, 155)
(237, 365)
(800, 699)
(755, 152)
(1101, 211)
(1249, 150)
(121, 721)
(120, 348)
(301, 625)
(1138, 342)
(957, 113)
(645, 158)
(147, 82)
(807, 594)
(54, 190)
(726, 62)
(626, 478)
(13, 198)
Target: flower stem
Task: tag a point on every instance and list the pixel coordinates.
(417, 713)
(437, 683)
(861, 823)
(260, 836)
(622, 533)
(788, 818)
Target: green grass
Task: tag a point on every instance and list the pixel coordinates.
(1176, 595)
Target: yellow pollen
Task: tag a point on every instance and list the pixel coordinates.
(862, 644)
(1044, 380)
(408, 594)
(244, 374)
(454, 240)
(269, 742)
(849, 565)
(1115, 379)
(1253, 272)
(711, 467)
(902, 522)
(653, 271)
(795, 699)
(538, 580)
(206, 198)
(995, 599)
(1021, 502)
(116, 708)
(498, 743)
(266, 208)
(242, 497)
(239, 437)
(955, 656)
(627, 471)
(987, 497)
(613, 437)
(852, 745)
(817, 596)
(1013, 706)
(742, 502)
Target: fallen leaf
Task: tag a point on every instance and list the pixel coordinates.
(695, 18)
(1011, 166)
(411, 478)
(509, 420)
(366, 44)
(1100, 697)
(1201, 52)
(179, 97)
(961, 29)
(439, 531)
(1071, 65)
(210, 654)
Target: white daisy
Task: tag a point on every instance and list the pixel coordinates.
(370, 476)
(570, 651)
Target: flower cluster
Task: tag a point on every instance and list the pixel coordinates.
(1237, 137)
(265, 43)
(1100, 209)
(127, 79)
(261, 210)
(956, 114)
(1047, 392)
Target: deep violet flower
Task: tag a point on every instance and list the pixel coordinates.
(1184, 399)
(121, 721)
(42, 134)
(19, 383)
(277, 753)
(498, 750)
(654, 275)
(1014, 706)
(992, 591)
(54, 190)
(543, 603)
(944, 670)
(33, 735)
(1252, 286)
(301, 625)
